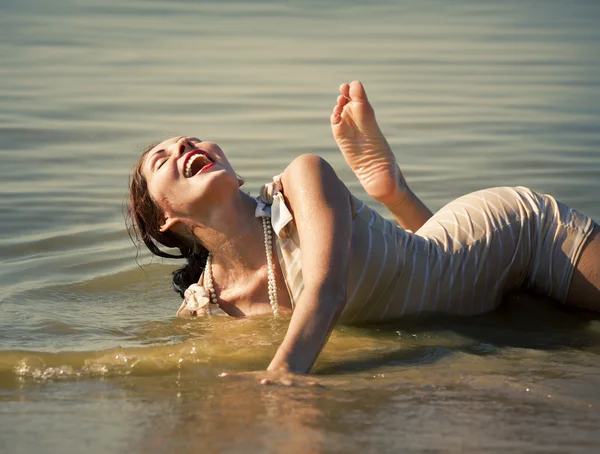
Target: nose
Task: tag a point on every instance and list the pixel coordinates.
(179, 147)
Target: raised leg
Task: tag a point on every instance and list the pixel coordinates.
(585, 284)
(364, 147)
(368, 154)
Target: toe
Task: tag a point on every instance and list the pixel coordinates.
(335, 119)
(337, 110)
(341, 101)
(345, 90)
(357, 92)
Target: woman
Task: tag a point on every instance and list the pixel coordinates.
(338, 259)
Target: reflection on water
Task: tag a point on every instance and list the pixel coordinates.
(470, 94)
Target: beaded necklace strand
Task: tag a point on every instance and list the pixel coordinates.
(272, 284)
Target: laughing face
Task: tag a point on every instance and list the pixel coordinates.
(186, 177)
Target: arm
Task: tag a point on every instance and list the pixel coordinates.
(321, 207)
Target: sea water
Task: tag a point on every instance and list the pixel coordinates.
(470, 94)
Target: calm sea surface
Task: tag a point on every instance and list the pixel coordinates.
(471, 94)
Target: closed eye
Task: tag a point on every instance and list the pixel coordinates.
(154, 161)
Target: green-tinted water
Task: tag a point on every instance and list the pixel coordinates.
(470, 95)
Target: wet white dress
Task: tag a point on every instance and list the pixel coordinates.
(463, 260)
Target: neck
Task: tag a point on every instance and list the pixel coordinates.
(233, 235)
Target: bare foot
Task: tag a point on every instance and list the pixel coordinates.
(364, 147)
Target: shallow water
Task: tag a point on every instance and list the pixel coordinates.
(470, 94)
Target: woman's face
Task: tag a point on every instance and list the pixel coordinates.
(187, 176)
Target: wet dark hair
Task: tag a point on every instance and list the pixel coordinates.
(144, 218)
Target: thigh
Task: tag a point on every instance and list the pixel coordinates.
(486, 239)
(475, 217)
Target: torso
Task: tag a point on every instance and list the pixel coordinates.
(462, 261)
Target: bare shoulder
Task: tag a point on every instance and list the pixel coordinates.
(310, 184)
(306, 163)
(306, 170)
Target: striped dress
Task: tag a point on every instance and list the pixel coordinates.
(462, 261)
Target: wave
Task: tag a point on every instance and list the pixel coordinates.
(40, 366)
(205, 346)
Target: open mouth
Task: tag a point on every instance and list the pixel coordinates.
(196, 161)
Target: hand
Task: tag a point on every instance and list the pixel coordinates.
(275, 377)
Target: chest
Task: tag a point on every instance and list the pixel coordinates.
(247, 293)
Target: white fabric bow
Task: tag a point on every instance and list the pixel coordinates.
(195, 302)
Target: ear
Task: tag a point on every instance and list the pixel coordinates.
(169, 222)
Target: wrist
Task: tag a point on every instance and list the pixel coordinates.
(278, 366)
(284, 363)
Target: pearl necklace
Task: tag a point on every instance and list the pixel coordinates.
(272, 284)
